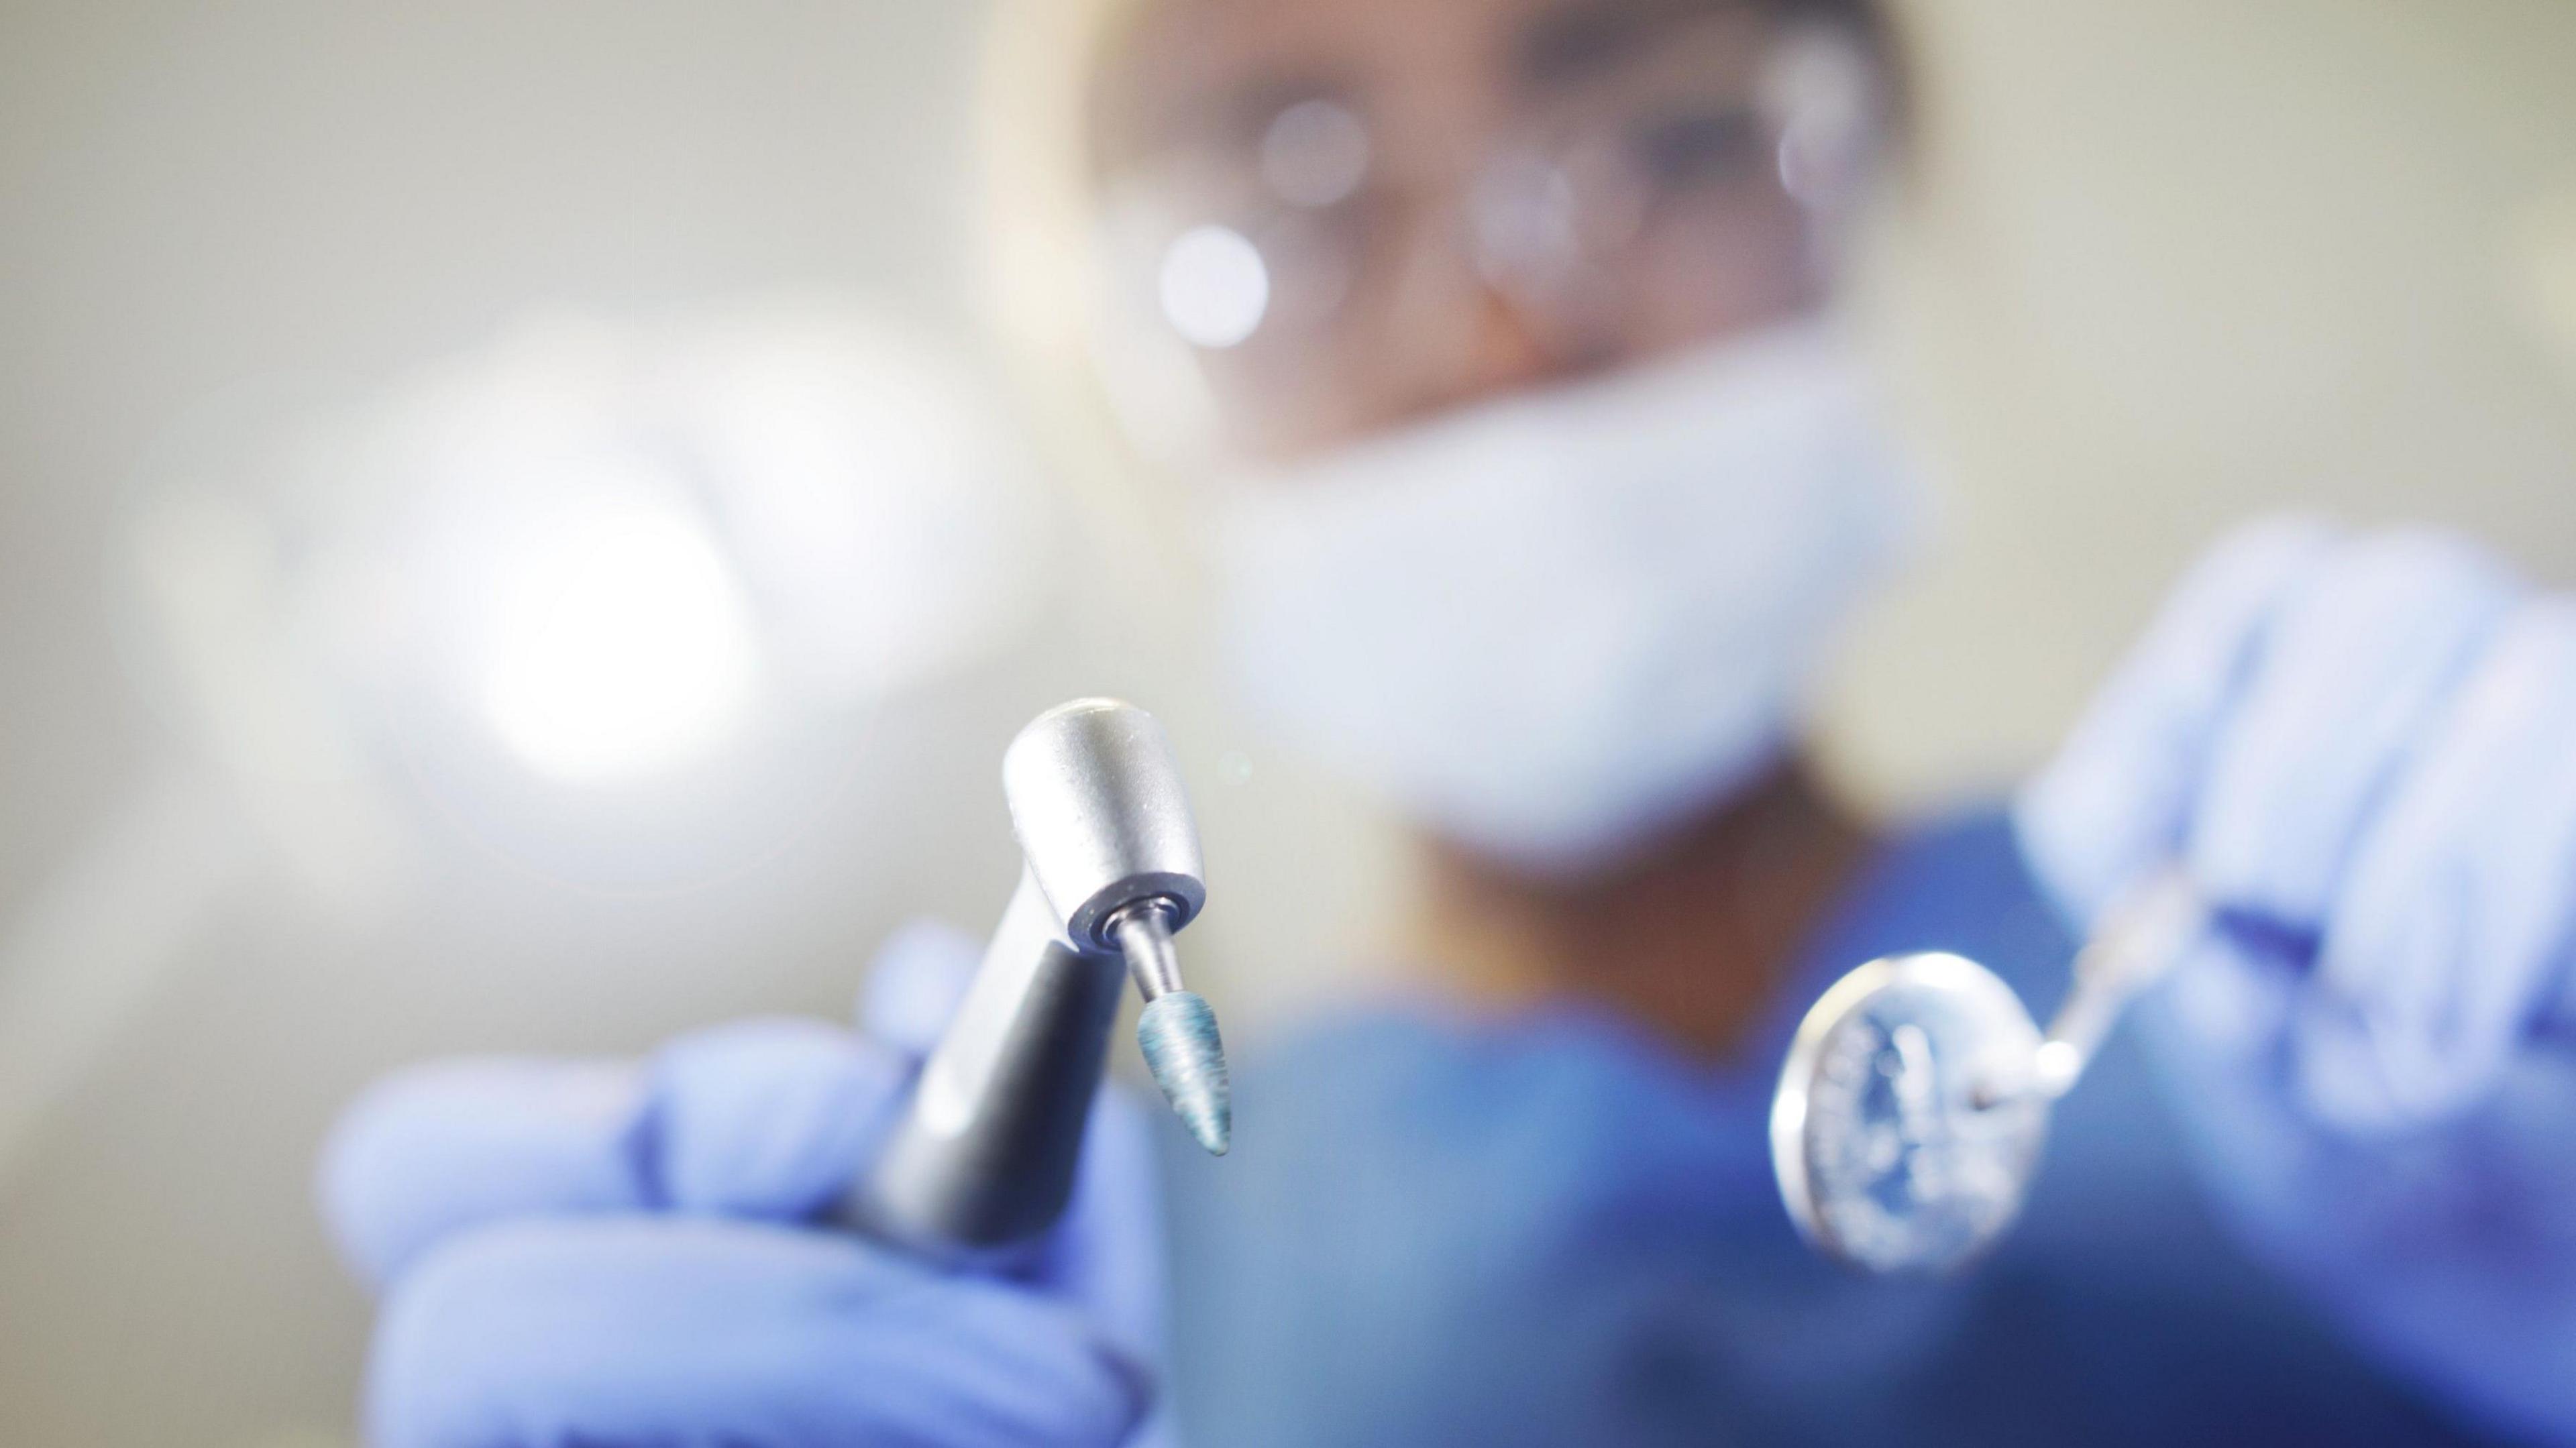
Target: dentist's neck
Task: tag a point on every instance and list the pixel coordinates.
(1691, 939)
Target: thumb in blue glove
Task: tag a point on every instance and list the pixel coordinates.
(605, 1253)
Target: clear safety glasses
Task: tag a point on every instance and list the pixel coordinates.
(1677, 180)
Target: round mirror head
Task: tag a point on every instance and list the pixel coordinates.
(1906, 1125)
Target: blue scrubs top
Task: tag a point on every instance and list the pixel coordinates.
(1554, 1230)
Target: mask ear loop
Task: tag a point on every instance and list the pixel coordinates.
(1825, 99)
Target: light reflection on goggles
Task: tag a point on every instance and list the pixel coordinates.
(1572, 213)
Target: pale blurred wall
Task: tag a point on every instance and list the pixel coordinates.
(2175, 261)
(2171, 260)
(195, 199)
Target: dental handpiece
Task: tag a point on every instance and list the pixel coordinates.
(982, 1156)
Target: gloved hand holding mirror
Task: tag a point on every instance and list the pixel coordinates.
(2331, 788)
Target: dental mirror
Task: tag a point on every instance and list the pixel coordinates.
(1911, 1112)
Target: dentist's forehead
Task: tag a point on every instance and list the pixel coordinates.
(1215, 72)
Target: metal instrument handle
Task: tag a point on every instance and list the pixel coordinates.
(984, 1154)
(2141, 938)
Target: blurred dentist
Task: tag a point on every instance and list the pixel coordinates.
(1495, 341)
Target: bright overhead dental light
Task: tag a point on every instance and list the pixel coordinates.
(619, 644)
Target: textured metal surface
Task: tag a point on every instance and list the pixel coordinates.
(1182, 1048)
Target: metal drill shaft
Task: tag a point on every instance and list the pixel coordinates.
(1177, 1031)
(1144, 936)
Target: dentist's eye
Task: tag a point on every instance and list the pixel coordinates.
(1697, 148)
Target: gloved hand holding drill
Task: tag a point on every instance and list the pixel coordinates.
(622, 1253)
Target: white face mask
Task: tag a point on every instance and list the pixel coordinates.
(1550, 626)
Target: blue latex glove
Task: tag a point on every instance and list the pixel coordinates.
(616, 1255)
(2362, 749)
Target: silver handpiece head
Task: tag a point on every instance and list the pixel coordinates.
(1097, 802)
